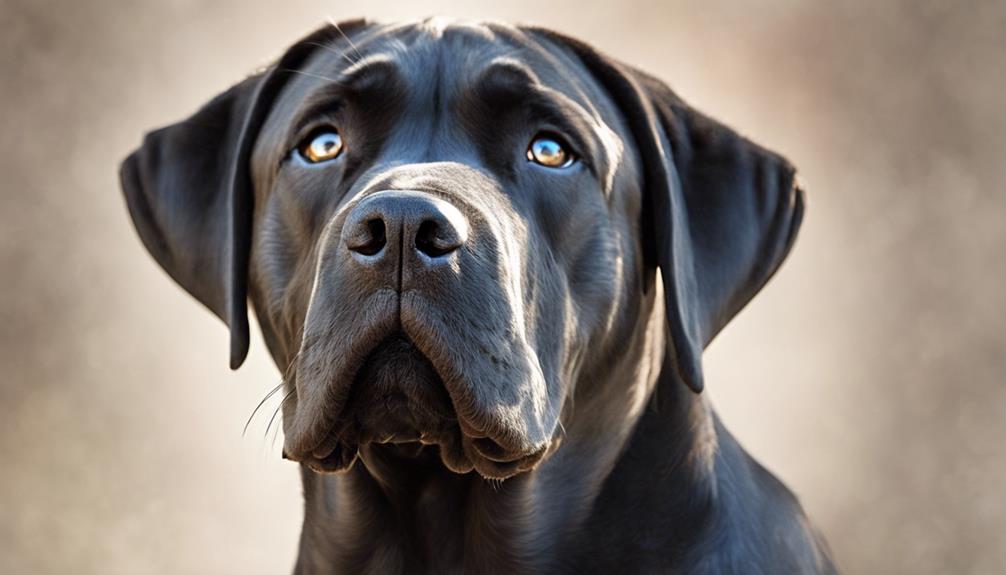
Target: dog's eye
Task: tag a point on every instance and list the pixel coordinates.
(549, 151)
(321, 145)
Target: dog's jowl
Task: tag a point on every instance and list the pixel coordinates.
(487, 259)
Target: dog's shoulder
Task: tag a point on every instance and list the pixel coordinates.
(758, 524)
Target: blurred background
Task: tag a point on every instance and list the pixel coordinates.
(869, 375)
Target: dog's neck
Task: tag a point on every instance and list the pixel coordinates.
(396, 512)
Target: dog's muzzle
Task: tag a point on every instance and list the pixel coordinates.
(396, 369)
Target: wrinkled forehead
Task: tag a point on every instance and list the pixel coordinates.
(456, 55)
(444, 60)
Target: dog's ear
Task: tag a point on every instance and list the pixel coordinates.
(720, 213)
(189, 192)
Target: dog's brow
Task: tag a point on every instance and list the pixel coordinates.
(507, 83)
(506, 77)
(369, 71)
(375, 74)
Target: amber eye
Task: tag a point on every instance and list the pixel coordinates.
(322, 145)
(549, 151)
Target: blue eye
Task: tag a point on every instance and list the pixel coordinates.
(321, 146)
(549, 151)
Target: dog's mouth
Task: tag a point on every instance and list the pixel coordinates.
(398, 399)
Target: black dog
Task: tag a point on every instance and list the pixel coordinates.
(451, 234)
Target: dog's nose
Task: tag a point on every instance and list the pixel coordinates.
(416, 221)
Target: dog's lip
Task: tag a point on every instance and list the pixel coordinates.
(336, 453)
(312, 427)
(458, 452)
(339, 458)
(408, 417)
(311, 441)
(499, 468)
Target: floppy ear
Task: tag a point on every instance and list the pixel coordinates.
(189, 192)
(720, 212)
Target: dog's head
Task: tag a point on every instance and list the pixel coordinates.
(444, 228)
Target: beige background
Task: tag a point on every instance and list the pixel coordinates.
(868, 376)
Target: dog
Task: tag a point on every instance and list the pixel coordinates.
(487, 259)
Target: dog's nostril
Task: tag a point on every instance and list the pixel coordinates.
(435, 240)
(376, 227)
(372, 241)
(491, 450)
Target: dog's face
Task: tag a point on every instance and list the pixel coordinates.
(442, 264)
(444, 228)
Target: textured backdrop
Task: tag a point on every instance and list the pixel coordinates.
(868, 375)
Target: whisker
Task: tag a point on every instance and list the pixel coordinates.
(293, 362)
(327, 48)
(275, 434)
(310, 75)
(351, 44)
(259, 406)
(285, 379)
(276, 412)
